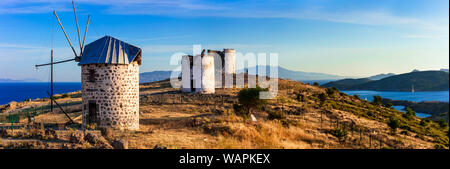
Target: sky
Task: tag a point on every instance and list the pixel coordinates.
(356, 38)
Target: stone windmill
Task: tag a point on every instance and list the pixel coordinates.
(109, 80)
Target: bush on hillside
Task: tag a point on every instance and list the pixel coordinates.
(442, 123)
(65, 96)
(322, 97)
(332, 91)
(388, 105)
(409, 113)
(249, 100)
(301, 98)
(424, 122)
(394, 123)
(272, 115)
(340, 133)
(377, 100)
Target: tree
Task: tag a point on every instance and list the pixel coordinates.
(332, 91)
(316, 84)
(424, 122)
(409, 113)
(301, 98)
(442, 123)
(340, 133)
(377, 100)
(393, 123)
(322, 97)
(249, 99)
(388, 105)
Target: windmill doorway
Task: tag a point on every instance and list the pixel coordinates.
(92, 112)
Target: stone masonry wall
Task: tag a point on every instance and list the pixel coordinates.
(115, 92)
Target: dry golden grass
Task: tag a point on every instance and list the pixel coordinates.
(179, 120)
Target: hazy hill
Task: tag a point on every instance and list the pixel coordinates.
(297, 75)
(282, 73)
(347, 84)
(21, 80)
(147, 77)
(7, 80)
(381, 76)
(421, 80)
(304, 76)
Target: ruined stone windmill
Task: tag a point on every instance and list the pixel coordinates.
(109, 80)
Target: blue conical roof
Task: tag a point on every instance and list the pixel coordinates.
(109, 50)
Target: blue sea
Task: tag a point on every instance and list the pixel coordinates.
(441, 96)
(19, 91)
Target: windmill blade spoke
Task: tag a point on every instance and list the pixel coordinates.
(55, 62)
(67, 37)
(78, 28)
(85, 32)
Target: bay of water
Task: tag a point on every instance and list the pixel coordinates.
(19, 91)
(441, 96)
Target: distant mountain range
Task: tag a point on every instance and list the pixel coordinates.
(282, 73)
(154, 76)
(419, 80)
(308, 77)
(380, 76)
(301, 76)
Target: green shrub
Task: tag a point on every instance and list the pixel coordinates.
(301, 98)
(249, 99)
(272, 115)
(394, 123)
(388, 105)
(439, 146)
(404, 132)
(332, 91)
(377, 100)
(409, 113)
(442, 123)
(424, 122)
(322, 97)
(371, 114)
(357, 96)
(340, 133)
(240, 111)
(406, 127)
(65, 95)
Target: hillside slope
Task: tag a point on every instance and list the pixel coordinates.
(347, 84)
(299, 117)
(381, 76)
(147, 77)
(420, 80)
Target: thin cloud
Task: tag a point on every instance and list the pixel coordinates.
(188, 49)
(161, 38)
(241, 9)
(423, 37)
